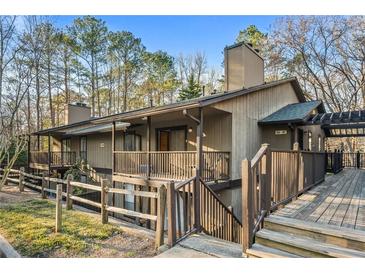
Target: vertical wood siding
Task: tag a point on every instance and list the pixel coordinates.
(246, 111)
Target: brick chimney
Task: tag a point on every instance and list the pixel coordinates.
(243, 67)
(76, 113)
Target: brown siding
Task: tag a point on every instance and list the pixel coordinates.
(246, 111)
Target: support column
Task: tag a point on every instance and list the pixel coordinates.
(49, 154)
(113, 161)
(28, 162)
(38, 143)
(148, 149)
(199, 165)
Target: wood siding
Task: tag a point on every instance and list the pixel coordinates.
(246, 111)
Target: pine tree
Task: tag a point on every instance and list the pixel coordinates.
(192, 90)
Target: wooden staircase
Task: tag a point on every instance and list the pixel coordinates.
(284, 237)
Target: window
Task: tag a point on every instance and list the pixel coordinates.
(309, 140)
(132, 142)
(319, 142)
(83, 148)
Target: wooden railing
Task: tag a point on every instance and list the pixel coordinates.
(218, 220)
(273, 178)
(177, 165)
(180, 209)
(63, 158)
(39, 157)
(131, 162)
(334, 161)
(39, 183)
(216, 165)
(215, 218)
(57, 158)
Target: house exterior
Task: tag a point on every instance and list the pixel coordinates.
(210, 135)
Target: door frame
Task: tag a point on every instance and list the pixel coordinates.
(80, 137)
(182, 127)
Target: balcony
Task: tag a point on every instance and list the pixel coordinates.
(174, 165)
(39, 159)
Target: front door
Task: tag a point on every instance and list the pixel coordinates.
(164, 140)
(171, 139)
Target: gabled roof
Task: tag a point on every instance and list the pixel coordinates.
(293, 113)
(193, 103)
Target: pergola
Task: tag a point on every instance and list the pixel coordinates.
(340, 124)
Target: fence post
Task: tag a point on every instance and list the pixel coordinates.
(358, 159)
(160, 225)
(171, 214)
(104, 201)
(230, 223)
(297, 171)
(267, 194)
(43, 186)
(21, 179)
(58, 208)
(247, 206)
(69, 192)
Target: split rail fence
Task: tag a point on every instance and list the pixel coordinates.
(40, 183)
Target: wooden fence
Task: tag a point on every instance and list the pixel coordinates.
(273, 178)
(215, 218)
(39, 183)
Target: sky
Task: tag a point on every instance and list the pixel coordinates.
(183, 34)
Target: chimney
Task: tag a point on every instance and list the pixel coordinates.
(76, 113)
(243, 67)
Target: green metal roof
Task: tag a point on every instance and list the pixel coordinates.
(293, 113)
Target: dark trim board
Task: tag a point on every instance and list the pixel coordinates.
(226, 185)
(103, 170)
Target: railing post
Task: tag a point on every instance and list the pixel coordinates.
(171, 214)
(267, 183)
(230, 222)
(69, 192)
(247, 205)
(104, 201)
(160, 225)
(358, 159)
(297, 171)
(58, 208)
(21, 179)
(43, 192)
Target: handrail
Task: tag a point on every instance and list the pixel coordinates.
(219, 200)
(180, 185)
(258, 156)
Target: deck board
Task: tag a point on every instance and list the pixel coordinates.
(338, 201)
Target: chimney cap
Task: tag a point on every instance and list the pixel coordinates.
(240, 44)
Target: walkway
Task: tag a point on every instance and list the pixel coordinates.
(339, 201)
(203, 246)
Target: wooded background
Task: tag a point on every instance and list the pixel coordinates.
(43, 67)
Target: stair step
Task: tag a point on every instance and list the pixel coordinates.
(340, 236)
(261, 251)
(304, 246)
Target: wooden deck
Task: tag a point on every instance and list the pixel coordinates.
(338, 201)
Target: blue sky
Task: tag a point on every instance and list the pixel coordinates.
(183, 34)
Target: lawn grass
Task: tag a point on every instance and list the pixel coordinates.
(29, 227)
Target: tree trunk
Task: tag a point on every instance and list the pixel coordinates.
(50, 93)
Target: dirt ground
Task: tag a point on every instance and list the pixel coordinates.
(122, 243)
(10, 194)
